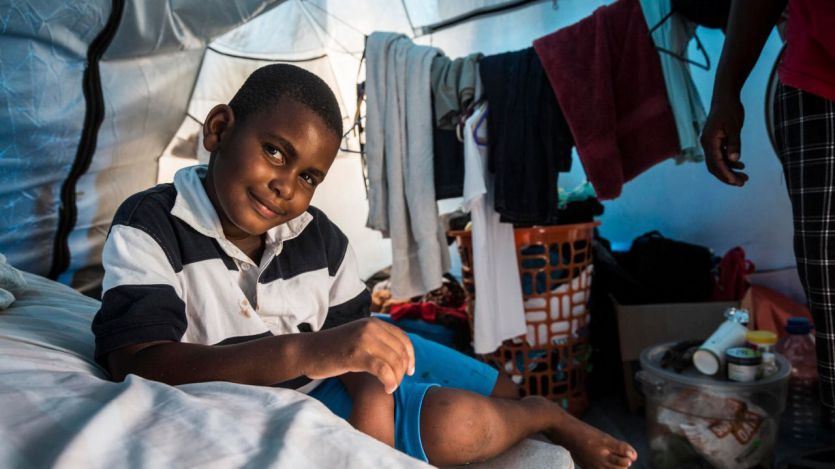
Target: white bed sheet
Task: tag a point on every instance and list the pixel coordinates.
(57, 408)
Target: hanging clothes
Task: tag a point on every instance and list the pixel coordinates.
(608, 80)
(448, 162)
(674, 34)
(530, 142)
(401, 194)
(499, 311)
(453, 87)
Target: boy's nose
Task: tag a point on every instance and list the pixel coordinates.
(283, 186)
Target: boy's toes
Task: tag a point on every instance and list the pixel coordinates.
(625, 450)
(619, 461)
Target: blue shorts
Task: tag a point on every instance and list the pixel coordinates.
(435, 365)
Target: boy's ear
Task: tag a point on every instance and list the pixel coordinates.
(219, 121)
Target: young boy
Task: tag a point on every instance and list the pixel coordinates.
(230, 275)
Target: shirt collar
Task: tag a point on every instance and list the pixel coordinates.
(193, 206)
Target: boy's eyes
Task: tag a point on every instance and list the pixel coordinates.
(274, 153)
(278, 158)
(309, 179)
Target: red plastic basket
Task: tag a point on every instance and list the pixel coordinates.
(555, 265)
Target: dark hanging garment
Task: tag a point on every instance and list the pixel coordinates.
(529, 139)
(448, 161)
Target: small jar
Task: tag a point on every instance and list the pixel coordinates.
(743, 364)
(763, 342)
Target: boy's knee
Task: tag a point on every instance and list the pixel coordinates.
(456, 423)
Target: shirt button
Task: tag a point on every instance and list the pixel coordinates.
(244, 266)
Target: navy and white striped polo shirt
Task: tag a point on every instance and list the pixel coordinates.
(171, 274)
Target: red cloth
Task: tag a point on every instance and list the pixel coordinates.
(426, 310)
(733, 276)
(771, 310)
(809, 60)
(607, 77)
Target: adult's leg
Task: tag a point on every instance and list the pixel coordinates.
(805, 134)
(460, 427)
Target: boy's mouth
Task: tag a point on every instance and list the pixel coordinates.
(266, 211)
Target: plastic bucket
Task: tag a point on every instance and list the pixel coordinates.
(698, 421)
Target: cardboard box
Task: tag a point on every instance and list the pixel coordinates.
(642, 326)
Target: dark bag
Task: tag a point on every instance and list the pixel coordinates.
(671, 271)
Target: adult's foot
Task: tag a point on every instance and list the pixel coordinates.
(589, 447)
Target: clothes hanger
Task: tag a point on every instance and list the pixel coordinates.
(680, 55)
(464, 115)
(476, 127)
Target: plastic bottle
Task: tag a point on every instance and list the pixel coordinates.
(802, 407)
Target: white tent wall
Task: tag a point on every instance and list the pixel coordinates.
(150, 77)
(43, 53)
(148, 73)
(311, 38)
(704, 212)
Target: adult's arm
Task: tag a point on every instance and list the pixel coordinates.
(368, 345)
(748, 28)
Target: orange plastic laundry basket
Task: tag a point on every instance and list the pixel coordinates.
(555, 267)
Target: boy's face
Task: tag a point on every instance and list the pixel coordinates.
(265, 170)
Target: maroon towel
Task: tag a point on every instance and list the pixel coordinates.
(607, 77)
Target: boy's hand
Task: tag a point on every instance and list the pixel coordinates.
(369, 345)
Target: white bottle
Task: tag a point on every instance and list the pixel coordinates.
(710, 357)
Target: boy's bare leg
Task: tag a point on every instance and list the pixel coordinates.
(505, 388)
(459, 427)
(372, 411)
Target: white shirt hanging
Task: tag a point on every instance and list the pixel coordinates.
(499, 312)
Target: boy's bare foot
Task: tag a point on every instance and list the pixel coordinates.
(590, 448)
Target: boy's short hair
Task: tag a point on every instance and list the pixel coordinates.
(267, 85)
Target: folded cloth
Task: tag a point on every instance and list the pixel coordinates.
(11, 283)
(453, 87)
(427, 311)
(607, 77)
(401, 196)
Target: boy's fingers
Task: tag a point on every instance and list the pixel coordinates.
(386, 349)
(404, 345)
(383, 371)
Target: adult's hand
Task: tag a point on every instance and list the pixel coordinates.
(721, 143)
(368, 345)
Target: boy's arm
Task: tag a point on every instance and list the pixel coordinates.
(368, 345)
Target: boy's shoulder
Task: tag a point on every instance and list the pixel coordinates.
(321, 243)
(324, 226)
(150, 205)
